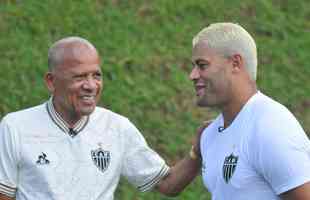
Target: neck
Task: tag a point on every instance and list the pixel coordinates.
(70, 119)
(239, 98)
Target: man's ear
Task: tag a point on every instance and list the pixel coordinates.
(237, 63)
(49, 81)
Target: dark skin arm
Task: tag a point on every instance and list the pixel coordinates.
(180, 175)
(4, 197)
(300, 193)
(184, 171)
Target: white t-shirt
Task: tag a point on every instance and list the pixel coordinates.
(40, 158)
(263, 153)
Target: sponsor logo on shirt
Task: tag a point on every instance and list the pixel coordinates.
(42, 160)
(229, 166)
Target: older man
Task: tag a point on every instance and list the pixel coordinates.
(255, 149)
(68, 148)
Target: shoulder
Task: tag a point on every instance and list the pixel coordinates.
(26, 116)
(275, 127)
(264, 106)
(109, 119)
(119, 124)
(104, 113)
(14, 124)
(277, 136)
(274, 118)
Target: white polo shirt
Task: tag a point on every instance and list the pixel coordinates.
(263, 153)
(40, 158)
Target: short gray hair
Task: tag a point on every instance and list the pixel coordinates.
(56, 52)
(229, 39)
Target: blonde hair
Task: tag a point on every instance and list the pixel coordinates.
(229, 39)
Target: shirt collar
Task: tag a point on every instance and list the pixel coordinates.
(62, 124)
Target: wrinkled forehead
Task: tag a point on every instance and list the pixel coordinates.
(78, 53)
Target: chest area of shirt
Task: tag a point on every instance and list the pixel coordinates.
(62, 156)
(226, 167)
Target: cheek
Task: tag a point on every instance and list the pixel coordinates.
(223, 86)
(62, 94)
(99, 86)
(72, 100)
(72, 93)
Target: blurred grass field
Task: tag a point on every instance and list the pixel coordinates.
(146, 50)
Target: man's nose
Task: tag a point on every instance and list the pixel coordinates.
(195, 74)
(90, 83)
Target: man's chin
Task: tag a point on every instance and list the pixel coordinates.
(202, 103)
(86, 112)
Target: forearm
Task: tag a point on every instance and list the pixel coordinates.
(183, 173)
(300, 193)
(180, 175)
(4, 197)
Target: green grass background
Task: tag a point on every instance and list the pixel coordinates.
(146, 50)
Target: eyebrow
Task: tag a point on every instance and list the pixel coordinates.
(199, 61)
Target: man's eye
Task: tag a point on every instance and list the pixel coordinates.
(202, 65)
(79, 78)
(97, 75)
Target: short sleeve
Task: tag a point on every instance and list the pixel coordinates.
(142, 166)
(282, 153)
(8, 161)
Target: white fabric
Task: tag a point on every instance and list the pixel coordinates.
(39, 161)
(272, 149)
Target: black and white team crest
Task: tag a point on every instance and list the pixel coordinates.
(101, 158)
(229, 166)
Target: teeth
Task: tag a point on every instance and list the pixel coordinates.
(198, 87)
(88, 97)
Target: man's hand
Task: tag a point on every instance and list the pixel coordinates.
(196, 140)
(185, 170)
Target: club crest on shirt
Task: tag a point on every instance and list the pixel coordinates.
(229, 166)
(101, 158)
